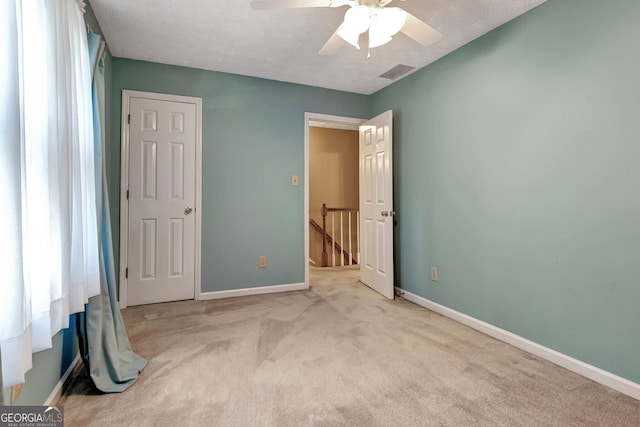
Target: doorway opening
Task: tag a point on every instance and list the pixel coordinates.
(333, 196)
(376, 214)
(331, 178)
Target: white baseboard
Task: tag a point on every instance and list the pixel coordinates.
(252, 291)
(589, 371)
(56, 394)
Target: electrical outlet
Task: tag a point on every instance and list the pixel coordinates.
(15, 392)
(262, 262)
(434, 274)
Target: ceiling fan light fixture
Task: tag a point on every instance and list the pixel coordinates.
(357, 18)
(350, 36)
(356, 22)
(377, 36)
(363, 15)
(385, 23)
(392, 19)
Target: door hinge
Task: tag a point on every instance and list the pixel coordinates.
(126, 273)
(129, 119)
(127, 194)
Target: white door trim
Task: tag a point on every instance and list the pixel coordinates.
(124, 184)
(336, 122)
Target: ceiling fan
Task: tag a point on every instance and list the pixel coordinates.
(381, 22)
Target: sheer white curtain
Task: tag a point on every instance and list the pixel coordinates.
(49, 250)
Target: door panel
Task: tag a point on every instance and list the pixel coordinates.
(376, 204)
(161, 252)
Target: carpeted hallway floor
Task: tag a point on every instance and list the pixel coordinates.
(337, 354)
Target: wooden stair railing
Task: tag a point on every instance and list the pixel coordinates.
(336, 245)
(347, 254)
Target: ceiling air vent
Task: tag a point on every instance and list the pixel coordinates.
(397, 71)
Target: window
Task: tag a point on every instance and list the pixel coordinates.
(49, 247)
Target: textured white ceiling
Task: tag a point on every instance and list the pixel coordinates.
(229, 36)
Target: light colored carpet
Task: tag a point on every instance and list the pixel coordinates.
(337, 354)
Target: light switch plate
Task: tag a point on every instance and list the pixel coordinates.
(294, 180)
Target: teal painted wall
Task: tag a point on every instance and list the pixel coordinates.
(516, 174)
(253, 141)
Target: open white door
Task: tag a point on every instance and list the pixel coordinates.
(376, 204)
(161, 221)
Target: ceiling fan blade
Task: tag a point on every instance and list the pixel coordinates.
(288, 4)
(419, 31)
(334, 43)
